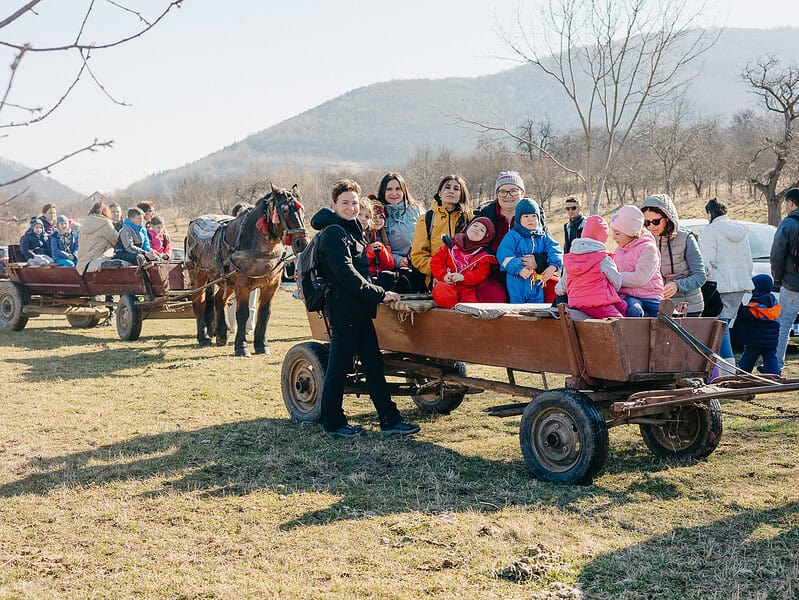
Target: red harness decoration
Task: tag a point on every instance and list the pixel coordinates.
(262, 225)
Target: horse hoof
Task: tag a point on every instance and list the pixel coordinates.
(221, 341)
(262, 350)
(205, 343)
(244, 352)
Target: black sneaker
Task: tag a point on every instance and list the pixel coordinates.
(347, 431)
(400, 428)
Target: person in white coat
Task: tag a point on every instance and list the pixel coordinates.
(728, 261)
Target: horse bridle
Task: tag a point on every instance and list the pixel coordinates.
(287, 230)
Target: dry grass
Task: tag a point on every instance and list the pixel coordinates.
(154, 470)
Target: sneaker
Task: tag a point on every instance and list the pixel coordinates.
(401, 428)
(347, 431)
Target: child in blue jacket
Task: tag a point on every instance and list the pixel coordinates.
(64, 243)
(528, 254)
(758, 327)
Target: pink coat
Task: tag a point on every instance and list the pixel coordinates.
(639, 265)
(586, 285)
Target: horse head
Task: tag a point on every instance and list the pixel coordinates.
(286, 215)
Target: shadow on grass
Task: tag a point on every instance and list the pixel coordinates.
(751, 554)
(369, 475)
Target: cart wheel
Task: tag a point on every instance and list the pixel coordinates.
(129, 318)
(434, 402)
(83, 322)
(563, 437)
(301, 378)
(12, 298)
(690, 431)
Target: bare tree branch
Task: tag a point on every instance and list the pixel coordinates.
(17, 14)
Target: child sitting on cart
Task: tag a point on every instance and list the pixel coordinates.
(159, 238)
(133, 245)
(758, 327)
(35, 245)
(590, 276)
(64, 243)
(462, 263)
(382, 264)
(528, 254)
(638, 261)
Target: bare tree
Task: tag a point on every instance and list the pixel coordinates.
(611, 58)
(10, 109)
(777, 85)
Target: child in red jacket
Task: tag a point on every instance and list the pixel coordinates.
(462, 263)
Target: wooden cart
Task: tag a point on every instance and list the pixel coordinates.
(650, 372)
(156, 291)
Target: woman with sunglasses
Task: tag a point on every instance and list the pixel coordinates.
(680, 258)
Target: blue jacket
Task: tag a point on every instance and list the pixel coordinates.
(31, 244)
(400, 227)
(59, 250)
(757, 323)
(509, 253)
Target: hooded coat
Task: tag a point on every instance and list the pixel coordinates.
(33, 243)
(97, 239)
(758, 323)
(342, 261)
(727, 256)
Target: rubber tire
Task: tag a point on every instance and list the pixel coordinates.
(302, 377)
(705, 427)
(436, 403)
(541, 423)
(12, 298)
(83, 322)
(129, 318)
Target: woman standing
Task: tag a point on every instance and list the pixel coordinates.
(728, 260)
(680, 258)
(450, 213)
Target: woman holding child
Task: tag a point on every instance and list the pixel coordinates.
(451, 212)
(680, 259)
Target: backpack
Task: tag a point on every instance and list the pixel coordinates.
(311, 284)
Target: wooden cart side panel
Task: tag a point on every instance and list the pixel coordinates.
(601, 343)
(48, 279)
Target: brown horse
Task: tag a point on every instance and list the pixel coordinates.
(239, 255)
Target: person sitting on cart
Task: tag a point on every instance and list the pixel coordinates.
(529, 255)
(159, 237)
(35, 245)
(133, 245)
(350, 307)
(64, 243)
(758, 327)
(590, 276)
(638, 260)
(462, 264)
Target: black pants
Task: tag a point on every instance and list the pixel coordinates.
(349, 336)
(126, 256)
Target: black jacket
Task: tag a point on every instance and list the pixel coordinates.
(342, 260)
(571, 231)
(786, 239)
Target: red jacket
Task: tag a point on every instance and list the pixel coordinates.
(160, 242)
(380, 261)
(586, 285)
(475, 268)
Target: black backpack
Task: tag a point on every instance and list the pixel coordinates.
(312, 286)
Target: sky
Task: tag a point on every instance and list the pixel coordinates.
(212, 73)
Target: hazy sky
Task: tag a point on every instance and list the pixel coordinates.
(214, 72)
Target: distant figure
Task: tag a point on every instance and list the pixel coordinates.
(758, 327)
(573, 228)
(63, 243)
(116, 215)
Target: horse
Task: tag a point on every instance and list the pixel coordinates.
(238, 255)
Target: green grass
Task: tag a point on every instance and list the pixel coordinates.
(155, 469)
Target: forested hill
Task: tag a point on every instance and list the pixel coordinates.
(383, 124)
(39, 187)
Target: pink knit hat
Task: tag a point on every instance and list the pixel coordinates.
(629, 220)
(595, 228)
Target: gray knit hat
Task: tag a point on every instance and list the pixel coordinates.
(510, 177)
(664, 204)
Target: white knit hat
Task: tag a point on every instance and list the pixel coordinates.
(510, 177)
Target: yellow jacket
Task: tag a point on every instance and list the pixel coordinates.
(424, 247)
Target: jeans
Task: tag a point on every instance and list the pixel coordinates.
(752, 353)
(641, 307)
(790, 307)
(350, 336)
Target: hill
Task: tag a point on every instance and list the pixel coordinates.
(382, 124)
(40, 187)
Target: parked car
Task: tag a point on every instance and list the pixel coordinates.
(177, 254)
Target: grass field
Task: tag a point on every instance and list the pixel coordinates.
(156, 470)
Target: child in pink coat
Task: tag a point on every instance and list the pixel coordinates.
(638, 260)
(590, 277)
(462, 263)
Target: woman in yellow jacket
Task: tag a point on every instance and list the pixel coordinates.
(450, 214)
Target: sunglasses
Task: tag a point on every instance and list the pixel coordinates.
(571, 208)
(654, 222)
